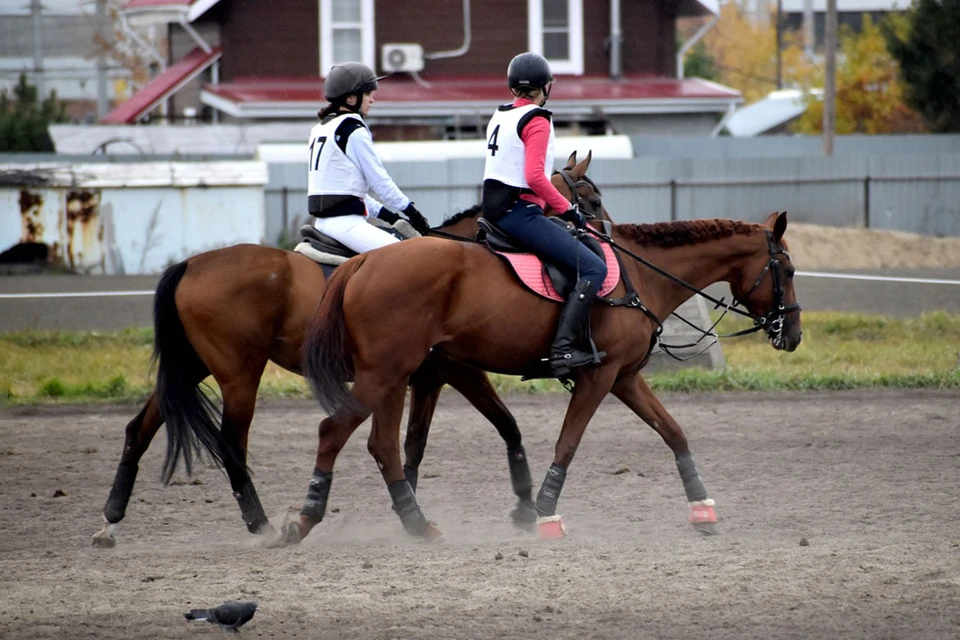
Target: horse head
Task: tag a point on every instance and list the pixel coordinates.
(573, 183)
(765, 287)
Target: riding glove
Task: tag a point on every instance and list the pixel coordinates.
(417, 220)
(574, 217)
(388, 216)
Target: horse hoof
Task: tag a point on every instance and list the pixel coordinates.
(703, 517)
(551, 528)
(103, 540)
(266, 529)
(524, 516)
(432, 533)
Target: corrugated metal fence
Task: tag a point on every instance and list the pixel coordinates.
(919, 193)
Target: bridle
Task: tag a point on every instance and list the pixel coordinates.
(771, 322)
(575, 197)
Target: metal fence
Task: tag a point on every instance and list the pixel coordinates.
(902, 192)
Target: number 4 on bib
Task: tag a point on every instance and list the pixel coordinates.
(492, 142)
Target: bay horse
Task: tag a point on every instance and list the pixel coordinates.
(229, 311)
(460, 300)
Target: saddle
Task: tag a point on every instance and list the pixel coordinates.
(544, 278)
(329, 252)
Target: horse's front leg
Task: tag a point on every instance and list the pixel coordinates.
(634, 392)
(591, 387)
(384, 446)
(476, 387)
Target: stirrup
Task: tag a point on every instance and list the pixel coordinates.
(561, 365)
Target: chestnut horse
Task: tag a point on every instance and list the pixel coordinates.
(460, 300)
(227, 312)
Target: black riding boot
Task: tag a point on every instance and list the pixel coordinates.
(565, 354)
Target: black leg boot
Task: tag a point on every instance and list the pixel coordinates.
(565, 354)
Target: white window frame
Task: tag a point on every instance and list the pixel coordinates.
(573, 65)
(366, 26)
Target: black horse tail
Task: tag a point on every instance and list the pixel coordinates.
(193, 419)
(327, 364)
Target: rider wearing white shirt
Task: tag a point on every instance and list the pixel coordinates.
(344, 166)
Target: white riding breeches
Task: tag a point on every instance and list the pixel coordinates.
(355, 232)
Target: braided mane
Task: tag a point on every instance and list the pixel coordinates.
(472, 212)
(684, 232)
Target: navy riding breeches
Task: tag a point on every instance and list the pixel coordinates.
(526, 223)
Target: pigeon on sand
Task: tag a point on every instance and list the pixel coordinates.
(231, 615)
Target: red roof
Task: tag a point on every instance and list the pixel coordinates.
(257, 96)
(163, 86)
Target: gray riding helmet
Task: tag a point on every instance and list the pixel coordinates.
(349, 78)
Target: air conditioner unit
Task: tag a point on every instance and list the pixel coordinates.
(402, 57)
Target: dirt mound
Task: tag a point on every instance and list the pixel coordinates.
(818, 247)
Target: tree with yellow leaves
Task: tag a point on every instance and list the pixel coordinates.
(869, 88)
(745, 54)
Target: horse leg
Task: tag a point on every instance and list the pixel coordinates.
(384, 445)
(591, 387)
(333, 433)
(239, 402)
(425, 389)
(634, 392)
(476, 387)
(139, 433)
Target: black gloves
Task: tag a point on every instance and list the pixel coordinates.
(388, 216)
(574, 217)
(417, 220)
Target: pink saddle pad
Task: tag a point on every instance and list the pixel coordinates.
(529, 268)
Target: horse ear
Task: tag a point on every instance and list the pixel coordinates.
(571, 161)
(581, 169)
(780, 226)
(771, 220)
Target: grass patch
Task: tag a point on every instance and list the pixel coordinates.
(839, 351)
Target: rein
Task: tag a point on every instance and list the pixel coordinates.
(771, 322)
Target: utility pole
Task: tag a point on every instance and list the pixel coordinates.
(105, 40)
(830, 78)
(779, 44)
(36, 12)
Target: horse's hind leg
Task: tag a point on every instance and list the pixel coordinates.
(425, 389)
(476, 387)
(139, 433)
(239, 402)
(634, 392)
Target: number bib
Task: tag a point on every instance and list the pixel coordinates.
(505, 150)
(331, 172)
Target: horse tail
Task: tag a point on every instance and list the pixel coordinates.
(192, 418)
(327, 363)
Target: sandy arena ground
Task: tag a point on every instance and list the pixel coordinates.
(838, 519)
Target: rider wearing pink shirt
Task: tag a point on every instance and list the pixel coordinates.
(517, 189)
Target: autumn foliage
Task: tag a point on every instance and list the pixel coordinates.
(870, 92)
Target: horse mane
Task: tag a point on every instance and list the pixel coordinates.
(472, 212)
(684, 232)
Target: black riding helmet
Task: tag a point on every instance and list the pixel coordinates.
(347, 79)
(529, 71)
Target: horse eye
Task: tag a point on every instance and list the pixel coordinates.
(790, 272)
